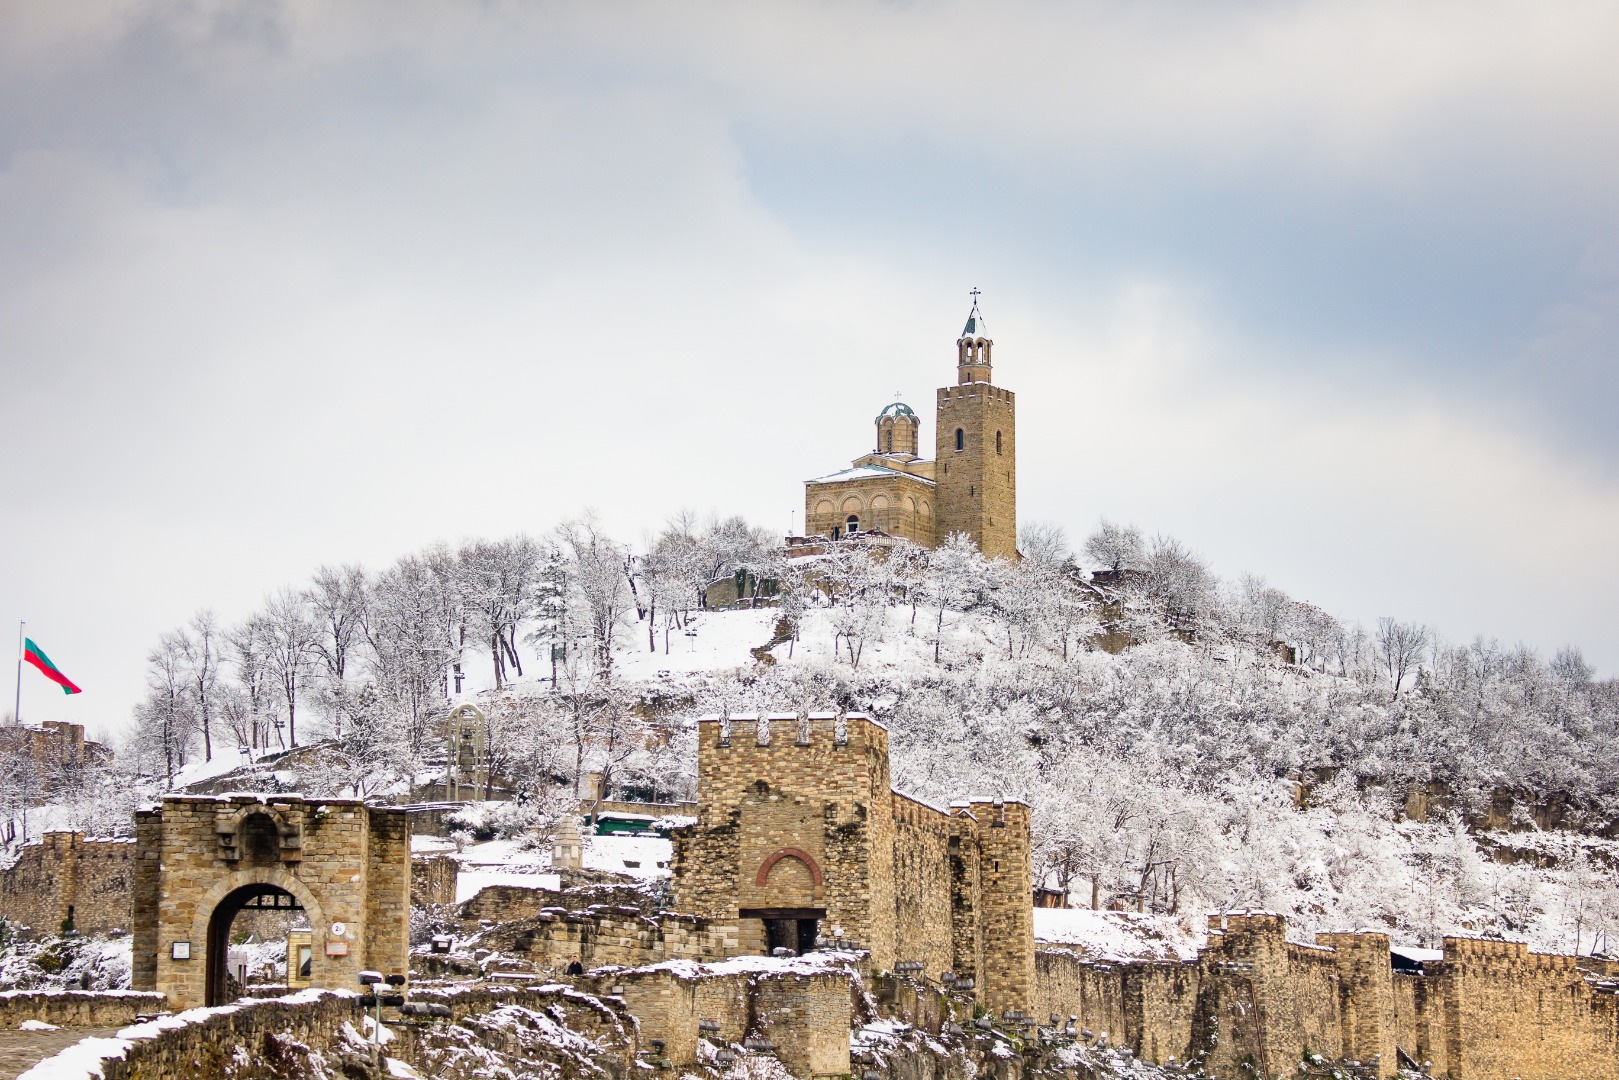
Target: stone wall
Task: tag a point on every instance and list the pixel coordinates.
(622, 936)
(1493, 1010)
(432, 880)
(66, 874)
(922, 884)
(806, 1014)
(77, 1008)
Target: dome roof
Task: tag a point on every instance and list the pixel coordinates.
(899, 408)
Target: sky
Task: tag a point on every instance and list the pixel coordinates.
(1329, 292)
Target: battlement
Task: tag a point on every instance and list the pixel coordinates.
(970, 391)
(1266, 923)
(812, 729)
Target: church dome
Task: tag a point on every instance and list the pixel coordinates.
(898, 408)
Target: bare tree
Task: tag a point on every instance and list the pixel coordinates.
(289, 647)
(337, 598)
(1399, 647)
(201, 651)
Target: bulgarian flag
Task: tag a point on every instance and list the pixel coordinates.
(36, 656)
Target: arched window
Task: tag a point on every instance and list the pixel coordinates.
(854, 524)
(997, 442)
(890, 440)
(961, 439)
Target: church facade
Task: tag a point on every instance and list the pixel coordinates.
(969, 486)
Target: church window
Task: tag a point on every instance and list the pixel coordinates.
(854, 524)
(961, 439)
(890, 440)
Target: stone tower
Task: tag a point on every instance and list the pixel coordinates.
(975, 467)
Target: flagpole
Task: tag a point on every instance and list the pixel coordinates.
(16, 708)
(16, 718)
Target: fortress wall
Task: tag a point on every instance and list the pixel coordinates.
(1163, 998)
(825, 798)
(1366, 1007)
(1509, 1014)
(1068, 985)
(64, 872)
(922, 886)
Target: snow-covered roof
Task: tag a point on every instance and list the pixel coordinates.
(1420, 956)
(975, 327)
(898, 408)
(868, 472)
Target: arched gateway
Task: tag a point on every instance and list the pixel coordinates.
(203, 860)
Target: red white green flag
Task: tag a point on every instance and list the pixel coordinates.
(36, 656)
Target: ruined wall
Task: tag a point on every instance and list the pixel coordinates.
(1492, 1010)
(64, 874)
(432, 880)
(621, 936)
(807, 1015)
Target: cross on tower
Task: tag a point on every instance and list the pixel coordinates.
(973, 292)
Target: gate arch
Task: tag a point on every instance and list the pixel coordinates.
(219, 907)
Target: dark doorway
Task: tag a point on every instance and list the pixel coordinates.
(788, 928)
(222, 987)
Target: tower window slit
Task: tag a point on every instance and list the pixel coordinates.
(961, 439)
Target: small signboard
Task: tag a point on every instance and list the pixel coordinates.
(180, 950)
(337, 948)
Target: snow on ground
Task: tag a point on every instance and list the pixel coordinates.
(721, 640)
(469, 883)
(1116, 935)
(67, 963)
(508, 862)
(639, 856)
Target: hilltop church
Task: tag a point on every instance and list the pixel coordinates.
(969, 487)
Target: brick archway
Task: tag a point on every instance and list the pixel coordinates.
(790, 853)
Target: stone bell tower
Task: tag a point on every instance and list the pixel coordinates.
(975, 468)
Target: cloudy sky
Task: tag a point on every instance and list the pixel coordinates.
(1328, 291)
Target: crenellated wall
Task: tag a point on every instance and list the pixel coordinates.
(1493, 1010)
(1255, 1004)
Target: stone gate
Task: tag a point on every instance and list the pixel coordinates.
(202, 859)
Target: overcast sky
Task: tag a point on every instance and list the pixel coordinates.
(1330, 292)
